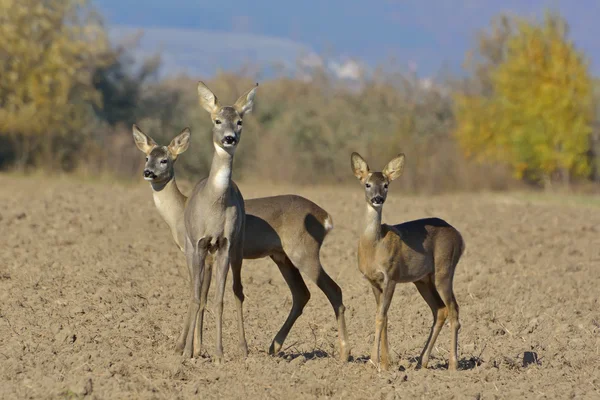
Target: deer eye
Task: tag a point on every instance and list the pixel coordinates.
(367, 185)
(217, 121)
(163, 161)
(385, 186)
(146, 158)
(239, 122)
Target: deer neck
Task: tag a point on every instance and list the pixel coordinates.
(170, 203)
(219, 178)
(372, 232)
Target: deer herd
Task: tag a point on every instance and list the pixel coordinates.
(217, 228)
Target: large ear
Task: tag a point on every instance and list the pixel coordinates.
(208, 100)
(245, 103)
(359, 166)
(144, 142)
(180, 143)
(394, 168)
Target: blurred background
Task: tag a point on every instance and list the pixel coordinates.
(480, 95)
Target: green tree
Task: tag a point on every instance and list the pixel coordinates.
(536, 115)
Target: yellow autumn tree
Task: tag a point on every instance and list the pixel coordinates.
(537, 116)
(48, 52)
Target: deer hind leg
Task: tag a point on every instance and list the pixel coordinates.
(312, 267)
(440, 312)
(238, 291)
(300, 297)
(443, 284)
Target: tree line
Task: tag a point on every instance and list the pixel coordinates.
(525, 113)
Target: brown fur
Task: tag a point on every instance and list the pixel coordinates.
(423, 251)
(288, 228)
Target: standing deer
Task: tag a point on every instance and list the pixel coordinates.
(214, 219)
(289, 229)
(423, 251)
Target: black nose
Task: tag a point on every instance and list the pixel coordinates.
(377, 200)
(229, 139)
(147, 173)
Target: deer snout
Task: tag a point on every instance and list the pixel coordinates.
(149, 174)
(377, 200)
(229, 140)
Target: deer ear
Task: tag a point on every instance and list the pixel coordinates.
(208, 100)
(394, 168)
(144, 142)
(359, 166)
(180, 143)
(245, 103)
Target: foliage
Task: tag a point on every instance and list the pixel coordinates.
(68, 99)
(537, 116)
(48, 52)
(121, 84)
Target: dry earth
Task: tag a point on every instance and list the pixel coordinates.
(93, 294)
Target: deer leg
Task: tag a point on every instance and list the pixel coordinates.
(200, 316)
(443, 285)
(381, 319)
(238, 291)
(300, 297)
(384, 338)
(377, 294)
(198, 260)
(189, 260)
(311, 266)
(439, 311)
(222, 264)
(334, 295)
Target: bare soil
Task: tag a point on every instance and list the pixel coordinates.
(93, 293)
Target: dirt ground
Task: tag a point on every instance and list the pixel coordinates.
(93, 294)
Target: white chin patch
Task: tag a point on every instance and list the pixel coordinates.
(220, 151)
(148, 178)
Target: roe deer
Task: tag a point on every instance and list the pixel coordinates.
(289, 229)
(214, 219)
(423, 251)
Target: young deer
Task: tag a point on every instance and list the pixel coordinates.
(423, 251)
(288, 228)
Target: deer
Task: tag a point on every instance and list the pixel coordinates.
(214, 219)
(289, 229)
(424, 252)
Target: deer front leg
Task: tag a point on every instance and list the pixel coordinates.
(189, 250)
(183, 334)
(377, 294)
(384, 339)
(198, 332)
(197, 256)
(222, 264)
(385, 299)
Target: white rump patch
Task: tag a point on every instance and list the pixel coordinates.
(328, 224)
